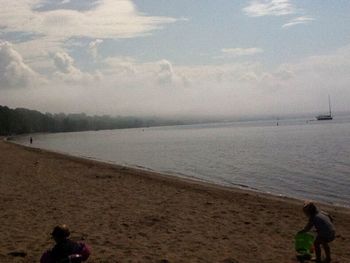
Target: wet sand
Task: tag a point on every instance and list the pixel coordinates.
(129, 215)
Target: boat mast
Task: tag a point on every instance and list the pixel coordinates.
(329, 103)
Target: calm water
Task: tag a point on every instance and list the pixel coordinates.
(309, 160)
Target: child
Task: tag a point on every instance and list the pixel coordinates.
(65, 249)
(324, 227)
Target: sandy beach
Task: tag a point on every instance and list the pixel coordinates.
(129, 215)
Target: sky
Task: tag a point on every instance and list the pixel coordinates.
(175, 57)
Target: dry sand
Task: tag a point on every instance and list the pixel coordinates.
(128, 215)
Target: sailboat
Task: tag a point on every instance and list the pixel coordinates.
(325, 117)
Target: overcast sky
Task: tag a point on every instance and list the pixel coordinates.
(175, 57)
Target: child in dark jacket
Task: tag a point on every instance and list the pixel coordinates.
(324, 228)
(65, 249)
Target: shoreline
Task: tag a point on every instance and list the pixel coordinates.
(162, 176)
(172, 177)
(131, 215)
(186, 179)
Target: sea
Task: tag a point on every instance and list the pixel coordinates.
(297, 158)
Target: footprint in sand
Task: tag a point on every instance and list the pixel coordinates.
(21, 254)
(229, 260)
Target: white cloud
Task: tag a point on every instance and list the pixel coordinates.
(166, 72)
(258, 8)
(51, 29)
(130, 72)
(93, 47)
(67, 72)
(64, 63)
(127, 86)
(36, 52)
(237, 52)
(298, 21)
(119, 65)
(106, 19)
(235, 88)
(14, 73)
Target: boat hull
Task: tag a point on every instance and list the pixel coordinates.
(324, 118)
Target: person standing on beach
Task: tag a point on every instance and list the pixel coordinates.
(65, 249)
(31, 140)
(324, 227)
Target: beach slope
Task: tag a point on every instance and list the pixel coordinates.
(129, 215)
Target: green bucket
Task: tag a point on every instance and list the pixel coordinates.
(304, 243)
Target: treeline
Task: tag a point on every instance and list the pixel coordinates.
(20, 121)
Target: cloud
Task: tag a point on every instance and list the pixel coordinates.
(233, 88)
(120, 66)
(166, 72)
(130, 72)
(237, 52)
(127, 86)
(14, 73)
(64, 63)
(51, 29)
(298, 21)
(66, 71)
(93, 47)
(107, 19)
(258, 8)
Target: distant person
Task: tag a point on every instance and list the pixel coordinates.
(323, 224)
(65, 250)
(31, 140)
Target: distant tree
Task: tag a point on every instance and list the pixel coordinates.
(20, 121)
